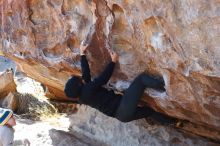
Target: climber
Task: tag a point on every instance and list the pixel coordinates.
(123, 107)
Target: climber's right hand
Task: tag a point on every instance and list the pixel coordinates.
(83, 48)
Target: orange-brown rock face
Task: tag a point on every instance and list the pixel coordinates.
(178, 40)
(7, 84)
(7, 88)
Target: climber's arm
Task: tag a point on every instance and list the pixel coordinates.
(84, 64)
(104, 77)
(85, 69)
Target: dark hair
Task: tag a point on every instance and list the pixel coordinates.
(73, 87)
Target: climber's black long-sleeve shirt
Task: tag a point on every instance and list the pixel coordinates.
(96, 96)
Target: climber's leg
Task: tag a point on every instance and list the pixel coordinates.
(143, 112)
(163, 119)
(129, 102)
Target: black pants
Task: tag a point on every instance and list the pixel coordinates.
(128, 109)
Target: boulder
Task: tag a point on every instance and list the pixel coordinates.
(176, 40)
(7, 83)
(10, 101)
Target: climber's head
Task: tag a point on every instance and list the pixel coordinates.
(73, 87)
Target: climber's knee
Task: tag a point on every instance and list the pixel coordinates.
(140, 77)
(144, 79)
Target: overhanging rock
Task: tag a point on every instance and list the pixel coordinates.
(177, 40)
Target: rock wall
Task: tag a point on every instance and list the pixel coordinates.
(177, 40)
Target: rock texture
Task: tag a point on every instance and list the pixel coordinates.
(137, 133)
(178, 40)
(7, 84)
(61, 138)
(10, 101)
